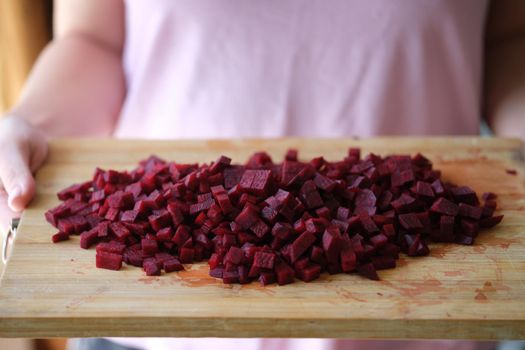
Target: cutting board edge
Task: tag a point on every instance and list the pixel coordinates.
(264, 327)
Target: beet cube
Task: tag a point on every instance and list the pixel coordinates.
(301, 244)
(129, 215)
(159, 219)
(445, 207)
(410, 222)
(403, 204)
(470, 211)
(119, 230)
(369, 271)
(284, 273)
(165, 234)
(309, 273)
(424, 189)
(490, 221)
(149, 246)
(469, 227)
(186, 255)
(151, 267)
(59, 237)
(247, 217)
(88, 238)
(120, 200)
(383, 262)
(53, 215)
(235, 255)
(400, 178)
(465, 194)
(348, 259)
(171, 265)
(367, 223)
(264, 260)
(446, 225)
(111, 247)
(379, 240)
(256, 181)
(109, 261)
(201, 206)
(365, 198)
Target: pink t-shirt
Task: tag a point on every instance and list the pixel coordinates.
(237, 68)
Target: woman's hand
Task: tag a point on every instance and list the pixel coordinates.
(23, 149)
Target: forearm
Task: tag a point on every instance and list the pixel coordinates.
(76, 88)
(505, 88)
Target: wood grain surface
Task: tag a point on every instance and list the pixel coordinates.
(458, 292)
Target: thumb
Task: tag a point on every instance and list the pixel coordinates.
(16, 176)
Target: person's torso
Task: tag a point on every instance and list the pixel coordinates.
(236, 68)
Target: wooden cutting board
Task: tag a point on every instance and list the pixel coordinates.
(475, 292)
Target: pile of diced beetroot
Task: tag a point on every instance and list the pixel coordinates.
(267, 221)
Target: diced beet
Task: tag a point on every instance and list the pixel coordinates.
(129, 215)
(464, 239)
(264, 260)
(309, 273)
(201, 206)
(348, 259)
(235, 255)
(260, 228)
(284, 273)
(399, 178)
(112, 214)
(365, 198)
(343, 216)
(59, 237)
(424, 189)
(490, 221)
(247, 217)
(465, 194)
(324, 183)
(403, 204)
(165, 234)
(378, 240)
(88, 238)
(171, 265)
(53, 215)
(70, 191)
(367, 223)
(410, 222)
(149, 246)
(256, 181)
(301, 244)
(109, 261)
(151, 267)
(111, 247)
(120, 200)
(186, 255)
(470, 211)
(469, 227)
(119, 230)
(445, 207)
(446, 225)
(267, 277)
(368, 270)
(383, 262)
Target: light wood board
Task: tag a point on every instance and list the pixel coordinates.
(469, 292)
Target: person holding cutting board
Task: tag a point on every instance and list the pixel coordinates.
(237, 69)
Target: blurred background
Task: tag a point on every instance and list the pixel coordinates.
(25, 28)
